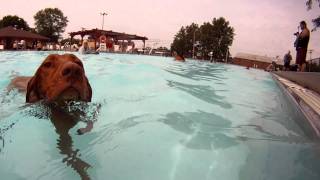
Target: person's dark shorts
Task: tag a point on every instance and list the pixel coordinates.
(293, 67)
(287, 64)
(301, 56)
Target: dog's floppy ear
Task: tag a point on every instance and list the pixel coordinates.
(32, 90)
(33, 84)
(89, 91)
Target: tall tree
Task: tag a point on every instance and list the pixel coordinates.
(14, 21)
(192, 34)
(184, 40)
(316, 21)
(215, 36)
(50, 22)
(180, 41)
(208, 38)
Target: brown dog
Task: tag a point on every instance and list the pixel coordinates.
(59, 78)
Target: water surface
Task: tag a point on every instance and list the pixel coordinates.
(159, 119)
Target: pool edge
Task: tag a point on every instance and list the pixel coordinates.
(310, 114)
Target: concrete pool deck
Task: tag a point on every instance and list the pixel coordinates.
(309, 80)
(304, 88)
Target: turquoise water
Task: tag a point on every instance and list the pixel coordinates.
(159, 120)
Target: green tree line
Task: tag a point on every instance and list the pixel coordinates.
(210, 39)
(14, 21)
(49, 22)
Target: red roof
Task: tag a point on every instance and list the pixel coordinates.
(10, 32)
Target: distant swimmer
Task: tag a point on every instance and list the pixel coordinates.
(178, 57)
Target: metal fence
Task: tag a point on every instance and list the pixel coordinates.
(313, 65)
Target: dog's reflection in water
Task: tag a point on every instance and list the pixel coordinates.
(63, 120)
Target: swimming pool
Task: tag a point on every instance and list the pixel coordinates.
(159, 119)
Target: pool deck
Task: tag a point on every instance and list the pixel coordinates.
(304, 88)
(309, 80)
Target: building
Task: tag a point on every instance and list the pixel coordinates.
(10, 35)
(254, 61)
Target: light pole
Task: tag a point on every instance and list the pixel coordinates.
(219, 46)
(227, 55)
(194, 43)
(194, 37)
(103, 14)
(310, 52)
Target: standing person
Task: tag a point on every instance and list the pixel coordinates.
(15, 45)
(302, 45)
(39, 46)
(286, 59)
(84, 49)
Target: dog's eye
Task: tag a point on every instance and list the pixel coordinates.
(47, 64)
(79, 63)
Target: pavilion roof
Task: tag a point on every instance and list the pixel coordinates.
(10, 32)
(96, 33)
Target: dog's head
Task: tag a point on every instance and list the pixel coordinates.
(59, 78)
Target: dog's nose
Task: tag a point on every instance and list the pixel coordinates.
(71, 70)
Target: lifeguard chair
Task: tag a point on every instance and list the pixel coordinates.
(103, 44)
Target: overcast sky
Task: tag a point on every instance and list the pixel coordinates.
(263, 27)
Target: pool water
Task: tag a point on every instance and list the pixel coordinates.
(157, 119)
